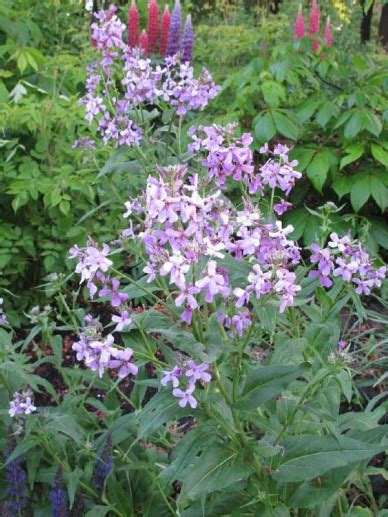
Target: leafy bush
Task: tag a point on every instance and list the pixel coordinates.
(220, 382)
(332, 104)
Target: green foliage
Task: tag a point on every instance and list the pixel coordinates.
(332, 105)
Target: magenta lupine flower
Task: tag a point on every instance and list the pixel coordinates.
(282, 207)
(174, 35)
(327, 33)
(198, 372)
(186, 396)
(164, 31)
(122, 361)
(299, 28)
(188, 41)
(153, 25)
(314, 24)
(171, 376)
(133, 26)
(21, 404)
(122, 321)
(144, 42)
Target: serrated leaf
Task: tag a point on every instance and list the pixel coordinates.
(379, 192)
(264, 128)
(353, 126)
(318, 169)
(285, 126)
(342, 185)
(379, 154)
(354, 152)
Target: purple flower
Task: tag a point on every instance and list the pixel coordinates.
(122, 360)
(21, 404)
(198, 372)
(103, 465)
(171, 376)
(341, 344)
(186, 396)
(282, 207)
(16, 481)
(174, 36)
(58, 495)
(122, 321)
(188, 41)
(213, 282)
(240, 321)
(117, 298)
(3, 317)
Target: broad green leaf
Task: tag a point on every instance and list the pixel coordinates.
(264, 127)
(72, 483)
(379, 231)
(325, 113)
(342, 185)
(379, 192)
(309, 456)
(161, 409)
(318, 169)
(264, 383)
(354, 152)
(298, 219)
(360, 191)
(371, 122)
(379, 154)
(353, 126)
(216, 469)
(285, 125)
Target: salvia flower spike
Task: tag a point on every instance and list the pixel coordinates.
(153, 26)
(103, 464)
(314, 24)
(188, 41)
(16, 480)
(299, 27)
(327, 35)
(133, 26)
(58, 495)
(174, 35)
(164, 30)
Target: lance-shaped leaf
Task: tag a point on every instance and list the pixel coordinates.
(309, 456)
(266, 382)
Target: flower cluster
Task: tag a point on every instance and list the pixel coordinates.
(229, 156)
(345, 258)
(194, 372)
(21, 404)
(314, 26)
(100, 353)
(103, 465)
(187, 235)
(3, 316)
(124, 77)
(58, 495)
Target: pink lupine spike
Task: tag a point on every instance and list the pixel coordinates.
(299, 27)
(327, 35)
(133, 26)
(164, 30)
(153, 25)
(314, 24)
(144, 42)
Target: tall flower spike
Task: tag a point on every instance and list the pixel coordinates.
(299, 28)
(153, 26)
(327, 35)
(314, 24)
(103, 464)
(174, 35)
(144, 42)
(188, 41)
(16, 481)
(58, 495)
(133, 26)
(164, 30)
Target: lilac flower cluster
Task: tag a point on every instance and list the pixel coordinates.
(237, 323)
(181, 227)
(229, 156)
(21, 404)
(345, 258)
(99, 353)
(3, 316)
(194, 372)
(124, 78)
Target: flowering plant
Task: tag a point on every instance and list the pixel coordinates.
(209, 369)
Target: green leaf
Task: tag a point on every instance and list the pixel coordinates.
(264, 128)
(342, 185)
(72, 483)
(354, 152)
(273, 92)
(285, 125)
(360, 191)
(318, 169)
(371, 122)
(325, 113)
(162, 408)
(379, 154)
(379, 192)
(298, 219)
(216, 469)
(379, 231)
(266, 382)
(353, 126)
(309, 456)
